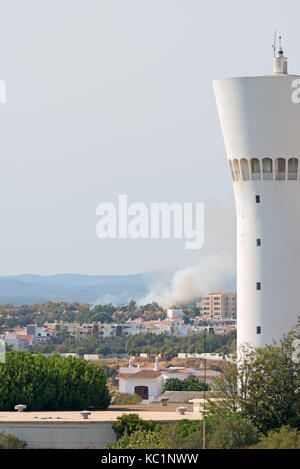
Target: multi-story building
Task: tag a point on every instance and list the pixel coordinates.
(85, 331)
(23, 338)
(76, 330)
(18, 341)
(128, 328)
(218, 305)
(41, 334)
(60, 326)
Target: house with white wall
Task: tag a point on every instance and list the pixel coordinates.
(18, 341)
(148, 382)
(174, 313)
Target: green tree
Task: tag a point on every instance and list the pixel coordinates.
(140, 439)
(264, 385)
(189, 384)
(8, 441)
(130, 423)
(284, 438)
(51, 383)
(231, 433)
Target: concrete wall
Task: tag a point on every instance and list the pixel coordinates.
(62, 435)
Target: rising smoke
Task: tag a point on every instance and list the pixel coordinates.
(214, 267)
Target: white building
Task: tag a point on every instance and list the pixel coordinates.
(129, 328)
(41, 334)
(173, 327)
(148, 382)
(174, 313)
(18, 341)
(260, 120)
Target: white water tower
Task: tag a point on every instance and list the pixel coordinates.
(260, 120)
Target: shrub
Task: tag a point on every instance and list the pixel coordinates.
(124, 398)
(130, 423)
(231, 433)
(8, 441)
(51, 383)
(141, 439)
(284, 438)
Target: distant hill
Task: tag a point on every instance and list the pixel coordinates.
(116, 289)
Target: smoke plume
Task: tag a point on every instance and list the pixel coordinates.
(214, 268)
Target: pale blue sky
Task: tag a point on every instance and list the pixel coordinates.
(115, 96)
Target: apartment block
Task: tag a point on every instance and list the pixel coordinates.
(218, 305)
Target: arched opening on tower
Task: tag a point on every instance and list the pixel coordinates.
(245, 169)
(280, 169)
(267, 166)
(231, 170)
(293, 169)
(255, 169)
(236, 169)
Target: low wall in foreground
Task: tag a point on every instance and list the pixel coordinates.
(67, 429)
(62, 435)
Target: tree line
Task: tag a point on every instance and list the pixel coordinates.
(51, 311)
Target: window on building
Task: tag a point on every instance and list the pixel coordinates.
(267, 165)
(257, 198)
(236, 170)
(258, 330)
(293, 168)
(255, 168)
(280, 169)
(258, 242)
(258, 285)
(245, 169)
(232, 170)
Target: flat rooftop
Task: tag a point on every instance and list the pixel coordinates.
(155, 412)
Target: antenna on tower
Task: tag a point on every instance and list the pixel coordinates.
(279, 61)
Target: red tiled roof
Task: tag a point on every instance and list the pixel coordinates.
(24, 337)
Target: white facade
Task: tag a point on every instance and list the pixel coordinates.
(149, 382)
(261, 128)
(173, 313)
(18, 341)
(154, 386)
(174, 327)
(12, 339)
